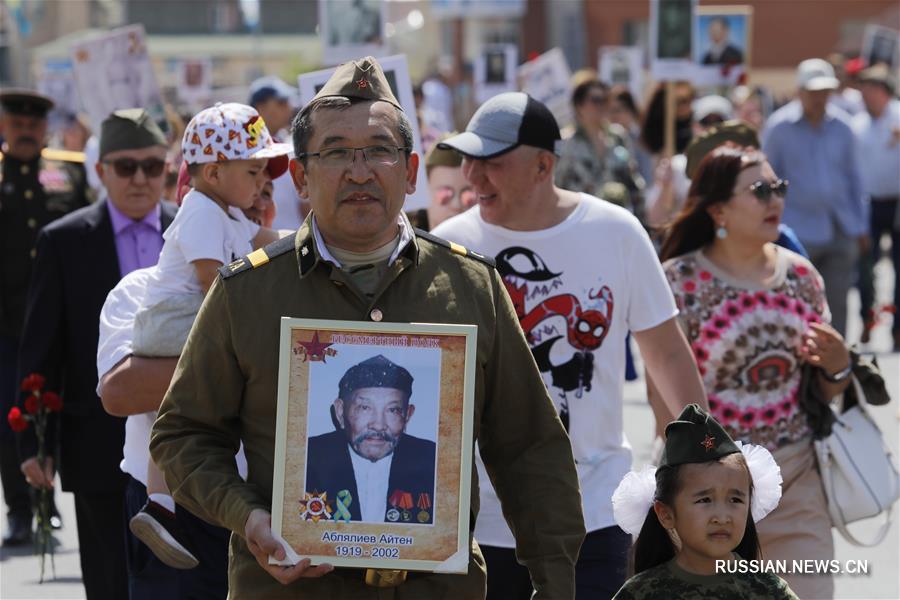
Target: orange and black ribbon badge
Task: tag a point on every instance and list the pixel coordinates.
(401, 502)
(424, 504)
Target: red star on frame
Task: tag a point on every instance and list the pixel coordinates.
(316, 350)
(708, 442)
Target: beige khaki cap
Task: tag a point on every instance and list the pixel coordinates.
(363, 79)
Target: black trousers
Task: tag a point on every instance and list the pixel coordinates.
(599, 572)
(150, 579)
(15, 489)
(101, 543)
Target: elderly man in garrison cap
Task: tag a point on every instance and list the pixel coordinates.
(356, 257)
(371, 456)
(80, 258)
(37, 185)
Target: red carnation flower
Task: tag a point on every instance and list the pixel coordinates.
(17, 421)
(52, 401)
(33, 383)
(32, 404)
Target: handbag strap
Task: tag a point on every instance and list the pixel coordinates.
(879, 537)
(825, 472)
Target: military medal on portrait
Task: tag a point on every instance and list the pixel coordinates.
(372, 465)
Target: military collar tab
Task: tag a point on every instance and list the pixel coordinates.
(305, 247)
(258, 257)
(455, 248)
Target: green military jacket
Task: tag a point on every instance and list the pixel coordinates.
(668, 580)
(225, 390)
(32, 194)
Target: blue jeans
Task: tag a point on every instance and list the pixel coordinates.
(150, 579)
(599, 572)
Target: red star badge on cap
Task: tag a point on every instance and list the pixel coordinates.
(363, 83)
(708, 442)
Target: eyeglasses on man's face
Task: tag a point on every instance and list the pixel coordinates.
(340, 158)
(128, 167)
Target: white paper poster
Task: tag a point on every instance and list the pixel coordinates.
(495, 71)
(623, 65)
(195, 81)
(546, 78)
(113, 72)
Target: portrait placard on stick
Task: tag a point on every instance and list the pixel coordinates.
(195, 81)
(373, 444)
(623, 65)
(881, 45)
(672, 38)
(546, 78)
(723, 49)
(495, 71)
(351, 29)
(113, 71)
(396, 71)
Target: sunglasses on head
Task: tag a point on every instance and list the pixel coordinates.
(763, 190)
(127, 167)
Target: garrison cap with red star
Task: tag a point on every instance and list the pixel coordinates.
(363, 79)
(695, 437)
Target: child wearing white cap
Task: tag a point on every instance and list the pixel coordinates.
(230, 154)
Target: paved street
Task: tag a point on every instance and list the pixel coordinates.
(19, 569)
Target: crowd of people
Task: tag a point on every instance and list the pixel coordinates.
(147, 269)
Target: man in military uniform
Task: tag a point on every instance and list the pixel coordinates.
(357, 258)
(37, 185)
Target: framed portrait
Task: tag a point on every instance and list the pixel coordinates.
(881, 45)
(396, 71)
(351, 29)
(495, 71)
(195, 80)
(622, 65)
(672, 39)
(373, 450)
(724, 41)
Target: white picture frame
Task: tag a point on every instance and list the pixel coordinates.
(351, 29)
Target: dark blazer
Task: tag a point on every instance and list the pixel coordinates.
(328, 469)
(75, 268)
(731, 55)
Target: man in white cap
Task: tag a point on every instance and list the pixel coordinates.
(809, 143)
(581, 273)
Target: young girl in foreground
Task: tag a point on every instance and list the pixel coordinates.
(698, 509)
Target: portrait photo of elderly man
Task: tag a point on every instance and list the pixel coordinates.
(369, 465)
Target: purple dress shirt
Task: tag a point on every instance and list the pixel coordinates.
(138, 243)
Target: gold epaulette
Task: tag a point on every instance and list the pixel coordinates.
(455, 248)
(64, 155)
(258, 257)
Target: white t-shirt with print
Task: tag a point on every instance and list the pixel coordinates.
(200, 230)
(578, 287)
(115, 343)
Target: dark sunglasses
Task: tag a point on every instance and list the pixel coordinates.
(127, 167)
(763, 190)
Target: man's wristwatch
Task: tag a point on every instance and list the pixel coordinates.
(840, 376)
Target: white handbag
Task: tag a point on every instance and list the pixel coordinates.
(857, 469)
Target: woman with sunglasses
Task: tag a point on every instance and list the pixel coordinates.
(754, 313)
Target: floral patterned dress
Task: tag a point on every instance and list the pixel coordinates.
(746, 339)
